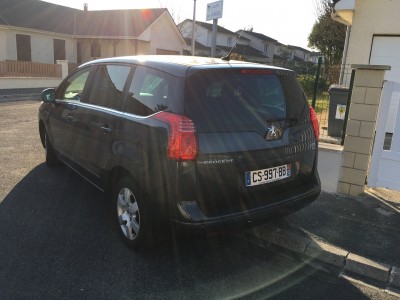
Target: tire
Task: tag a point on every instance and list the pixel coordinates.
(133, 218)
(51, 157)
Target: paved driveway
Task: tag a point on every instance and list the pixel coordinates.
(57, 242)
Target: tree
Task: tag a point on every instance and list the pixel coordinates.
(285, 52)
(327, 35)
(236, 56)
(167, 4)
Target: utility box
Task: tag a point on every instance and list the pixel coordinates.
(338, 96)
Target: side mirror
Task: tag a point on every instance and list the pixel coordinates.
(49, 95)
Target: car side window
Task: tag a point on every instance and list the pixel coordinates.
(75, 84)
(108, 86)
(149, 92)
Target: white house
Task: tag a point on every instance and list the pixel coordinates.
(38, 31)
(261, 42)
(203, 33)
(225, 41)
(374, 32)
(314, 56)
(300, 54)
(253, 46)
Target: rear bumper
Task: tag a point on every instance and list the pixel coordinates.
(255, 216)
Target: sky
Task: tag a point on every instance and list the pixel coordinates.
(288, 21)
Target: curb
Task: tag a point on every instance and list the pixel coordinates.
(349, 263)
(20, 97)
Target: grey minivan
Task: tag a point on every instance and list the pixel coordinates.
(200, 143)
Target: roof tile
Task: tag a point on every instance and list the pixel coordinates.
(40, 15)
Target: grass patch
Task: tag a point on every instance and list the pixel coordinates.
(321, 103)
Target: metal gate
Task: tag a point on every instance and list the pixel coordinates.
(385, 162)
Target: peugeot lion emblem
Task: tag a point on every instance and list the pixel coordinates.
(274, 132)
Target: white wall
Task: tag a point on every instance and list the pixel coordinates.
(256, 43)
(85, 51)
(259, 44)
(126, 48)
(200, 32)
(371, 17)
(41, 46)
(11, 46)
(299, 53)
(23, 82)
(201, 36)
(43, 49)
(3, 43)
(329, 162)
(222, 39)
(270, 50)
(277, 49)
(164, 35)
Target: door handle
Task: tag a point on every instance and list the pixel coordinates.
(106, 128)
(70, 117)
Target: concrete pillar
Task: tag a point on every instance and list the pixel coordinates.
(360, 131)
(64, 67)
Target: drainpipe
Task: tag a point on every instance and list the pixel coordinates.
(346, 48)
(336, 17)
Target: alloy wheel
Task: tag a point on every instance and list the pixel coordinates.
(128, 213)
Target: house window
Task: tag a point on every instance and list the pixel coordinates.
(59, 50)
(265, 48)
(229, 43)
(24, 52)
(95, 50)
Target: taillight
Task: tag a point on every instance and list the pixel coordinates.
(314, 121)
(182, 139)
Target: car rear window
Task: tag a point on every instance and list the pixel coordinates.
(234, 100)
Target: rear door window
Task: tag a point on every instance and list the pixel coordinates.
(108, 86)
(234, 100)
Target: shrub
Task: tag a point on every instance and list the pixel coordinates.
(308, 81)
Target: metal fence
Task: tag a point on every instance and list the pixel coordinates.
(330, 97)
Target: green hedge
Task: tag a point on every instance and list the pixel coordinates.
(308, 81)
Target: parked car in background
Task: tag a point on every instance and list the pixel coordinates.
(201, 143)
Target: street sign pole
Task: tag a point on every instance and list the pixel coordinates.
(214, 12)
(194, 27)
(214, 37)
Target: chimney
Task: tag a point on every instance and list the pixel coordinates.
(85, 7)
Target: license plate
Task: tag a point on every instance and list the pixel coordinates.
(267, 175)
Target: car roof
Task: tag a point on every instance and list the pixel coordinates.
(179, 65)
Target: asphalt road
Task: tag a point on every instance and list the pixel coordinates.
(57, 241)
